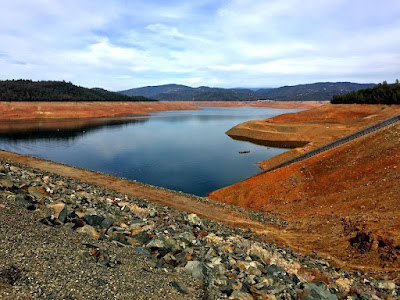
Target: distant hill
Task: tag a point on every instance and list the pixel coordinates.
(380, 94)
(315, 91)
(175, 92)
(305, 92)
(150, 91)
(28, 90)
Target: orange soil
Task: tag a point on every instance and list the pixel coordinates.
(67, 110)
(343, 204)
(348, 192)
(13, 111)
(311, 128)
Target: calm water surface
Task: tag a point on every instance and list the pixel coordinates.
(181, 150)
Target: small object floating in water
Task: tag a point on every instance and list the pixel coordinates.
(243, 152)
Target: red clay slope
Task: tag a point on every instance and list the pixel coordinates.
(343, 204)
(316, 126)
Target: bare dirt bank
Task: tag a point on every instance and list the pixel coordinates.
(310, 129)
(76, 110)
(16, 111)
(344, 202)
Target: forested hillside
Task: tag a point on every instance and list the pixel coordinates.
(315, 91)
(28, 90)
(380, 94)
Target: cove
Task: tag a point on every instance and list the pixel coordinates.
(185, 150)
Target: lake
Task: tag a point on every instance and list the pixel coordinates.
(181, 150)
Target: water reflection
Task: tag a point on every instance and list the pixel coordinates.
(181, 150)
(60, 130)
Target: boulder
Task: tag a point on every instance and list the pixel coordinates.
(194, 220)
(60, 210)
(315, 292)
(195, 268)
(87, 229)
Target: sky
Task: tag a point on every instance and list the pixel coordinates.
(122, 44)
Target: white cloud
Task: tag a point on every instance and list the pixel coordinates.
(119, 44)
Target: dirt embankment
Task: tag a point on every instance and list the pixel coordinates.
(17, 111)
(343, 203)
(76, 110)
(310, 129)
(20, 116)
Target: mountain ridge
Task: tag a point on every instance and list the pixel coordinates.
(303, 92)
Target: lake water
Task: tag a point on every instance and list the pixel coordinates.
(180, 150)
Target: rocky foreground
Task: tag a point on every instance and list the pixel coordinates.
(65, 239)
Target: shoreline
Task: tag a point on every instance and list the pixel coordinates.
(279, 231)
(310, 129)
(26, 111)
(268, 225)
(60, 231)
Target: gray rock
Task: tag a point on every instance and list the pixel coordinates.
(219, 270)
(275, 271)
(187, 236)
(107, 223)
(315, 292)
(172, 244)
(93, 220)
(195, 268)
(63, 214)
(169, 259)
(254, 271)
(152, 213)
(119, 237)
(156, 244)
(226, 289)
(386, 285)
(194, 220)
(142, 237)
(142, 251)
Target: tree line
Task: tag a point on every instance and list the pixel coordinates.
(28, 90)
(383, 93)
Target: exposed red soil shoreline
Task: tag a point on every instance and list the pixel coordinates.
(327, 199)
(17, 111)
(344, 202)
(311, 128)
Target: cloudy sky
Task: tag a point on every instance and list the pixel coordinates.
(121, 44)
